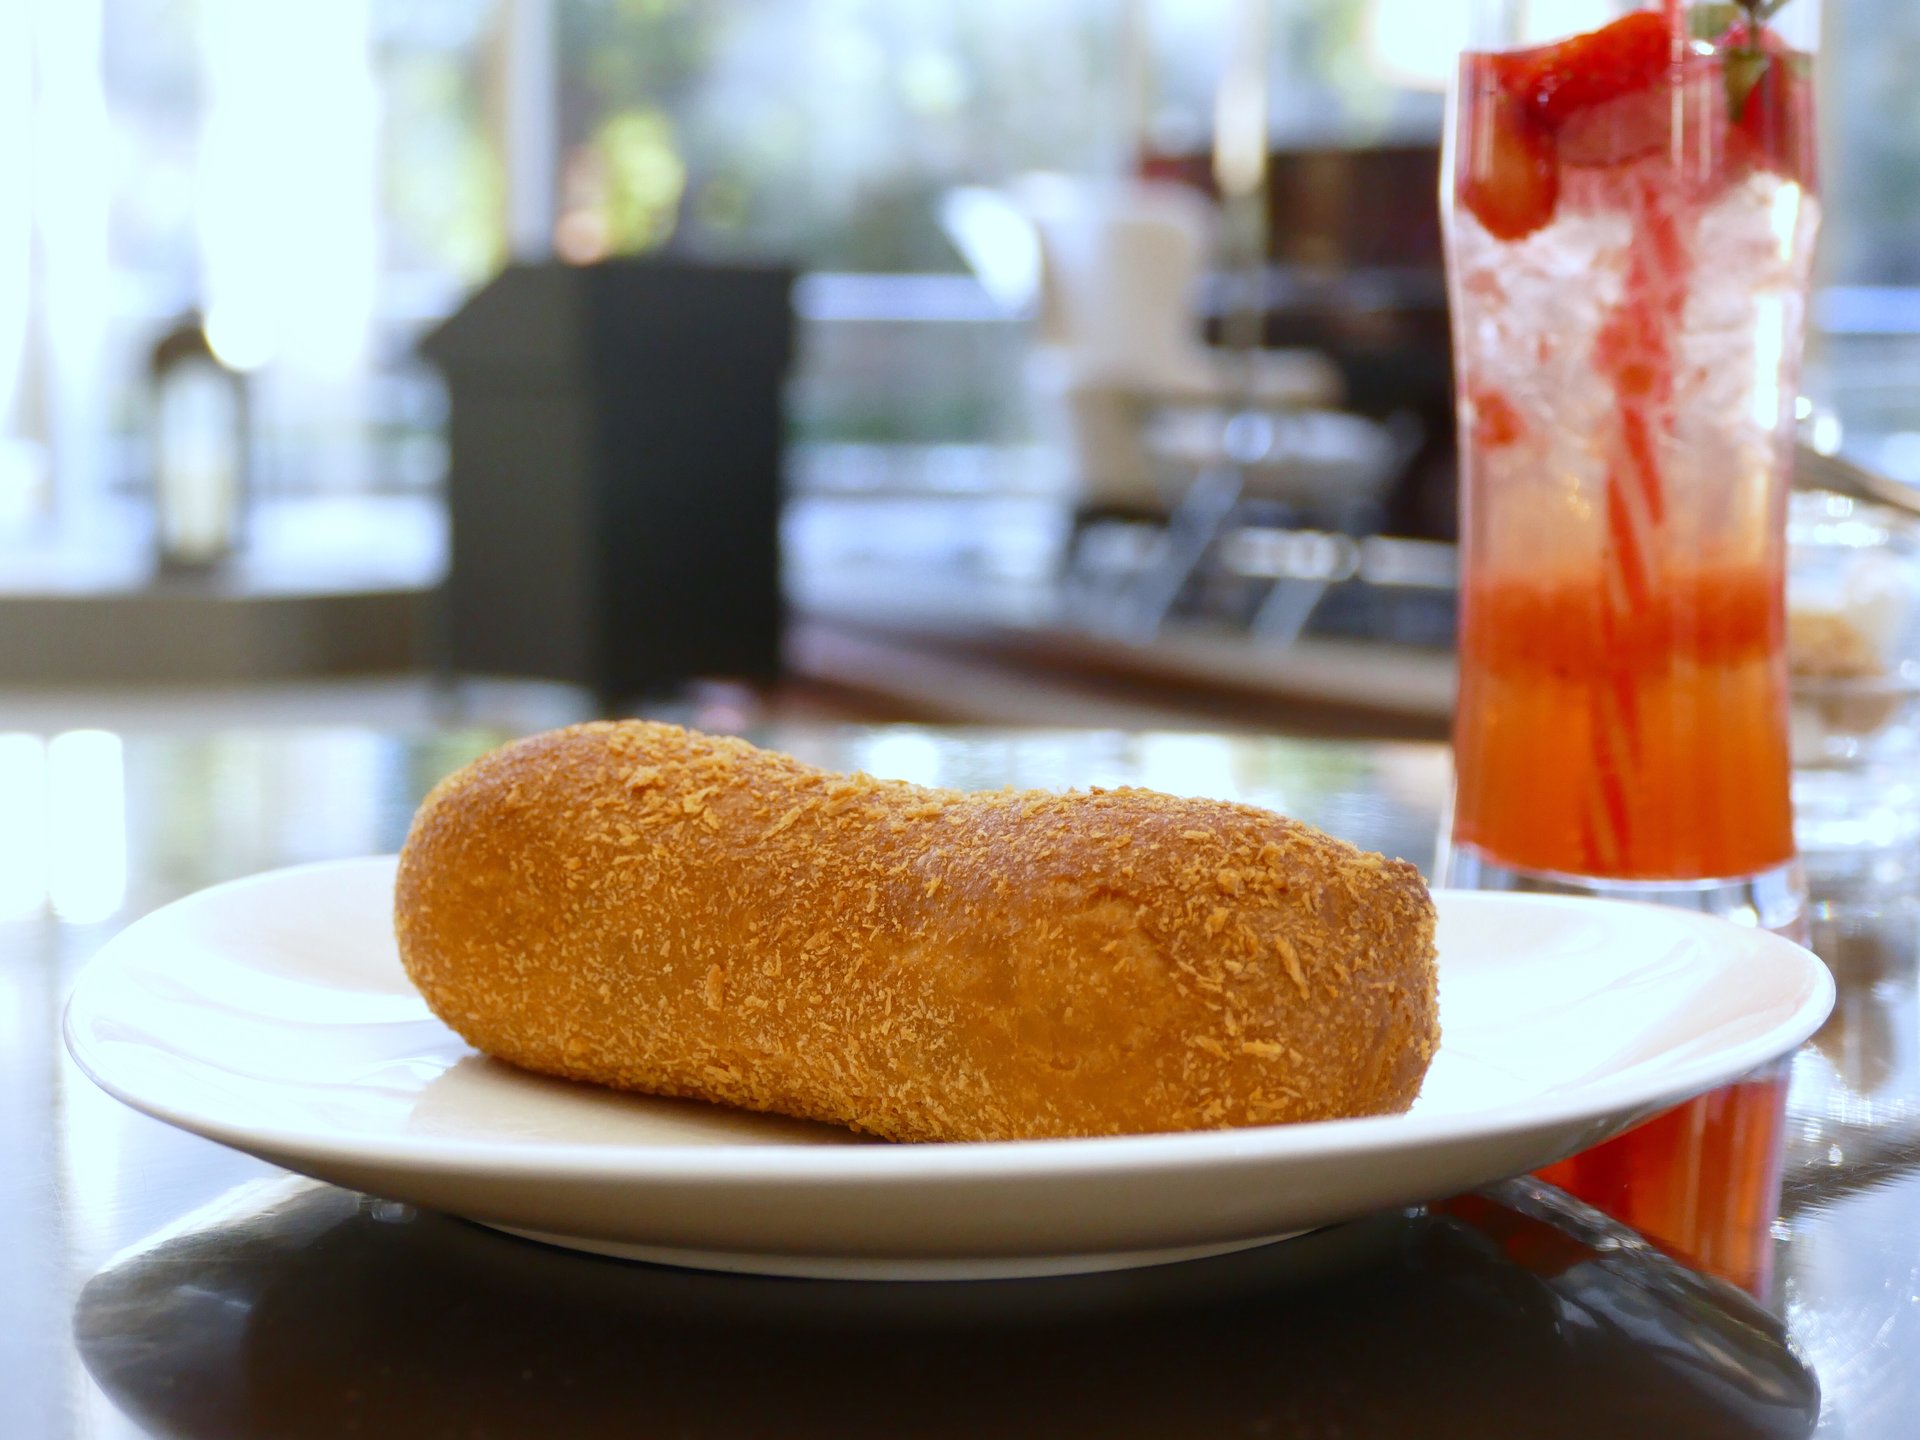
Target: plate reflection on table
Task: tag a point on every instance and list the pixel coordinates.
(295, 1309)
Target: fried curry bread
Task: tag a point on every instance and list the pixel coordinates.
(654, 909)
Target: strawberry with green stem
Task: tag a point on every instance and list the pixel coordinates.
(1775, 114)
(1769, 89)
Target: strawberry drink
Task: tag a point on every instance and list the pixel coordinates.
(1631, 215)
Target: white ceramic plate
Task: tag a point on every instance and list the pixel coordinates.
(271, 1014)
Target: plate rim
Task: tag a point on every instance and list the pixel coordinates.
(995, 1161)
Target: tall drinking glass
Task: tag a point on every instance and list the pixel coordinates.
(1630, 214)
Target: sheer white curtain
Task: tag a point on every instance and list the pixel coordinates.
(288, 216)
(53, 253)
(22, 469)
(280, 218)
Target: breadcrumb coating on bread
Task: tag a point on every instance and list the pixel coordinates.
(664, 911)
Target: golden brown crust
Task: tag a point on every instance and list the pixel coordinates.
(665, 911)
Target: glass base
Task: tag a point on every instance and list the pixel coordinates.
(1773, 900)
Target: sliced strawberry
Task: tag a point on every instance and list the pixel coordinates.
(1558, 81)
(1497, 421)
(1642, 122)
(1509, 178)
(1616, 131)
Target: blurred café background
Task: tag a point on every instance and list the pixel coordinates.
(1080, 362)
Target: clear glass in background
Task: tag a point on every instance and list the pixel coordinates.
(1630, 215)
(1853, 627)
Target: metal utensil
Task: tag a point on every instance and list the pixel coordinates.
(1816, 470)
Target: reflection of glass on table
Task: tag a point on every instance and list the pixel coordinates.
(1701, 1181)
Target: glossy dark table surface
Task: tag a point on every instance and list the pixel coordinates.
(154, 1284)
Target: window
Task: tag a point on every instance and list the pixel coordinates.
(328, 177)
